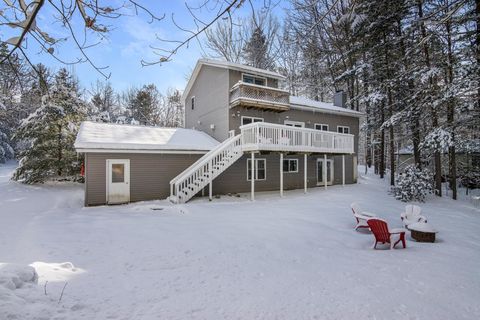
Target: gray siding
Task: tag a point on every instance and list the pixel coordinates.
(211, 93)
(309, 117)
(150, 174)
(234, 179)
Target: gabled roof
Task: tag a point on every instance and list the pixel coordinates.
(230, 66)
(108, 136)
(326, 107)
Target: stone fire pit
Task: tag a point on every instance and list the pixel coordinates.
(422, 232)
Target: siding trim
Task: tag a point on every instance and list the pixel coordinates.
(141, 151)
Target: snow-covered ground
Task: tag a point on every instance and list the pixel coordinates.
(292, 258)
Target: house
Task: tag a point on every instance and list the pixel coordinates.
(243, 133)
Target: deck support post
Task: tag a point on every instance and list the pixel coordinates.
(281, 174)
(343, 170)
(305, 173)
(252, 177)
(210, 173)
(325, 174)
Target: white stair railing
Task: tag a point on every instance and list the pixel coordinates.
(188, 183)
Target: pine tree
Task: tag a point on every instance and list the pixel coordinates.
(6, 150)
(255, 51)
(144, 105)
(50, 133)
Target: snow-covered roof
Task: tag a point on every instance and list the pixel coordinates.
(227, 65)
(108, 136)
(240, 67)
(302, 103)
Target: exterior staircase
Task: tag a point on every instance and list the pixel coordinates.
(196, 177)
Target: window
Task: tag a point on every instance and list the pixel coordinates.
(321, 126)
(260, 169)
(248, 78)
(193, 103)
(297, 124)
(290, 165)
(118, 175)
(248, 120)
(343, 129)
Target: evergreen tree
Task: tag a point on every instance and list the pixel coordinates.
(50, 132)
(6, 150)
(144, 105)
(255, 51)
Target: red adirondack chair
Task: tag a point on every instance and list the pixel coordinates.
(382, 234)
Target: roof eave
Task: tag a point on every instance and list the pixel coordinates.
(356, 114)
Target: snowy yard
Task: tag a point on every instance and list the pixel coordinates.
(292, 258)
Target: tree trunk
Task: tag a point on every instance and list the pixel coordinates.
(415, 125)
(392, 142)
(416, 143)
(60, 155)
(390, 109)
(382, 145)
(437, 157)
(477, 38)
(452, 163)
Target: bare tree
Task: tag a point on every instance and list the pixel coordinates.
(227, 39)
(20, 18)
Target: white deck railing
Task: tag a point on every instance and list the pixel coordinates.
(276, 137)
(204, 170)
(253, 94)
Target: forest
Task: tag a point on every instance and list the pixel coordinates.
(411, 66)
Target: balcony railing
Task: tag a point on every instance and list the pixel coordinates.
(252, 95)
(276, 137)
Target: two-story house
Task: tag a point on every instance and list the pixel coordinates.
(243, 133)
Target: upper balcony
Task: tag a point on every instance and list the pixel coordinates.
(264, 136)
(256, 96)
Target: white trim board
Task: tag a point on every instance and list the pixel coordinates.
(140, 151)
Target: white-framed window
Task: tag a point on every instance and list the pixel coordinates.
(297, 124)
(321, 126)
(193, 102)
(260, 169)
(343, 129)
(290, 165)
(249, 78)
(248, 120)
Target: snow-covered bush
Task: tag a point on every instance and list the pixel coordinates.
(413, 184)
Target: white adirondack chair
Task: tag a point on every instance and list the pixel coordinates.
(361, 216)
(411, 215)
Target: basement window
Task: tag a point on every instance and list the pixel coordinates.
(260, 169)
(290, 165)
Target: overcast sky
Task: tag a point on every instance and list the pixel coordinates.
(128, 43)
